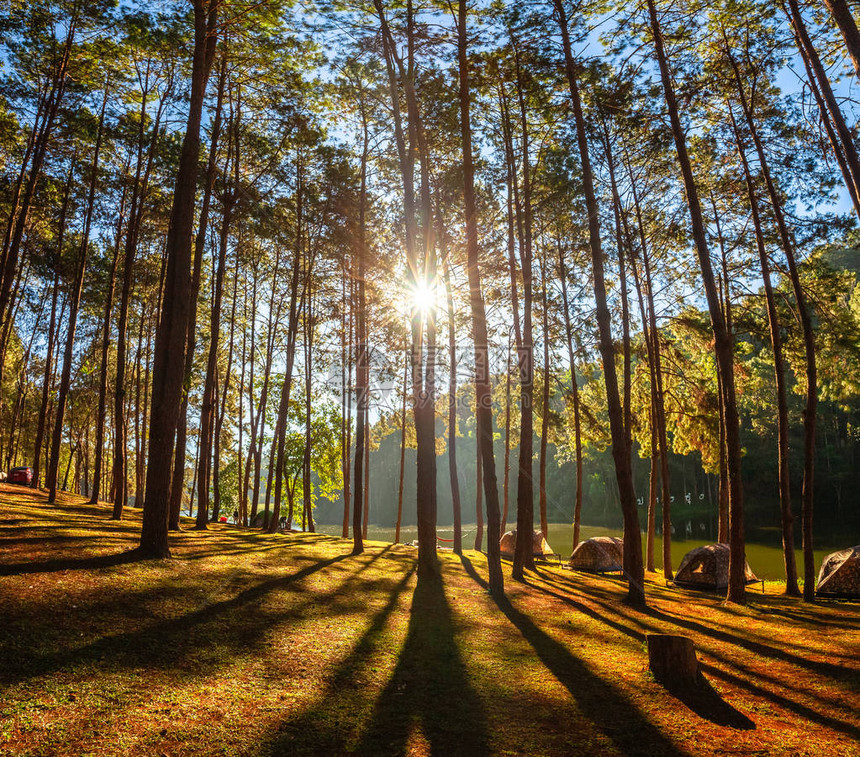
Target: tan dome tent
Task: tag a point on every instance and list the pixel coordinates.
(540, 545)
(600, 554)
(708, 568)
(840, 574)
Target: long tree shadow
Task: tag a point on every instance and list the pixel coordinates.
(703, 704)
(706, 702)
(169, 641)
(610, 712)
(325, 727)
(826, 669)
(70, 563)
(730, 636)
(429, 690)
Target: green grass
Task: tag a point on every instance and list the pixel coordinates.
(252, 644)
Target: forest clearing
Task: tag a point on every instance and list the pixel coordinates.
(254, 644)
(522, 289)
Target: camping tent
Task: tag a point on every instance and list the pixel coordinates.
(840, 574)
(708, 568)
(600, 554)
(509, 541)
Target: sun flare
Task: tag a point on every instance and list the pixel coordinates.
(423, 297)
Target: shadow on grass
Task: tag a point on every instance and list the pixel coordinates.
(706, 702)
(796, 707)
(826, 669)
(71, 563)
(429, 691)
(610, 712)
(171, 642)
(702, 701)
(813, 619)
(326, 727)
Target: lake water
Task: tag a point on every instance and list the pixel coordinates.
(766, 561)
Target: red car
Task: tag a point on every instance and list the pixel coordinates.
(23, 474)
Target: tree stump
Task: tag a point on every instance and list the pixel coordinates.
(672, 659)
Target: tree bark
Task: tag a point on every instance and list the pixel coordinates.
(74, 306)
(101, 411)
(810, 56)
(177, 485)
(810, 410)
(361, 368)
(402, 449)
(722, 341)
(791, 587)
(574, 389)
(452, 412)
(544, 421)
(844, 19)
(524, 549)
(633, 567)
(171, 336)
(277, 457)
(143, 170)
(483, 396)
(208, 405)
(420, 272)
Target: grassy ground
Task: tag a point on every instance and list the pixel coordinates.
(251, 644)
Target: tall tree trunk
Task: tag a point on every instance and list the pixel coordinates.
(101, 411)
(722, 340)
(223, 396)
(402, 449)
(366, 514)
(507, 464)
(544, 421)
(143, 170)
(479, 495)
(208, 406)
(21, 210)
(574, 389)
(258, 425)
(633, 567)
(307, 484)
(810, 410)
(361, 367)
(452, 412)
(241, 514)
(524, 549)
(791, 587)
(177, 484)
(277, 459)
(810, 56)
(649, 338)
(345, 390)
(53, 338)
(141, 401)
(483, 395)
(423, 377)
(659, 403)
(617, 212)
(844, 19)
(168, 370)
(74, 306)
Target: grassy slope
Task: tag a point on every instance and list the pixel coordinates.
(255, 644)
